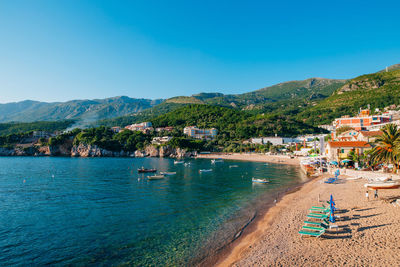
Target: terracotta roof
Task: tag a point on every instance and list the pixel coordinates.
(371, 133)
(348, 144)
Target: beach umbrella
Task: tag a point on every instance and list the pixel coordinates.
(334, 162)
(346, 161)
(332, 207)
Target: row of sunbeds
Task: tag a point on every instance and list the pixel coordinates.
(317, 221)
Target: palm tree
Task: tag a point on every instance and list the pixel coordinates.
(387, 149)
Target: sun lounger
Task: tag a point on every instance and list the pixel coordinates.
(314, 228)
(320, 224)
(320, 210)
(318, 216)
(310, 233)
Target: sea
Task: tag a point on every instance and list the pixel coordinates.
(101, 211)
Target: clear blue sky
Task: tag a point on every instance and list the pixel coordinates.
(63, 50)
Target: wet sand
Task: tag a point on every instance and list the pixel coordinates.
(367, 232)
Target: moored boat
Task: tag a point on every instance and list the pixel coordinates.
(233, 166)
(155, 177)
(142, 170)
(168, 173)
(205, 170)
(262, 181)
(179, 162)
(213, 161)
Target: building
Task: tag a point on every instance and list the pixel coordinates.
(363, 121)
(116, 129)
(368, 136)
(350, 135)
(165, 129)
(161, 140)
(339, 150)
(143, 127)
(197, 133)
(41, 134)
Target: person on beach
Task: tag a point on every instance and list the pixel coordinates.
(367, 195)
(376, 193)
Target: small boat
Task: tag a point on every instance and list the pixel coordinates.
(205, 170)
(383, 185)
(213, 161)
(168, 173)
(179, 162)
(233, 166)
(262, 181)
(155, 177)
(142, 170)
(187, 164)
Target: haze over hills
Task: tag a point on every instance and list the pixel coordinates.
(90, 110)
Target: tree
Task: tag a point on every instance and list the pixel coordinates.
(387, 148)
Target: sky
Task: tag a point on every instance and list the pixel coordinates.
(77, 49)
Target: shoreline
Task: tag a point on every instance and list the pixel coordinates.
(234, 251)
(366, 229)
(229, 252)
(278, 159)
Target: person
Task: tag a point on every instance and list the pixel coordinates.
(367, 195)
(376, 193)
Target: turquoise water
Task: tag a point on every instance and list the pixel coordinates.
(100, 211)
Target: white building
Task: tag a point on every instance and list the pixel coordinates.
(197, 133)
(161, 140)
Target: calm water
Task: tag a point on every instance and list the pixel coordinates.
(100, 211)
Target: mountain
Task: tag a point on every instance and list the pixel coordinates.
(293, 91)
(378, 90)
(85, 110)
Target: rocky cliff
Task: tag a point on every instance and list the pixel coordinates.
(83, 150)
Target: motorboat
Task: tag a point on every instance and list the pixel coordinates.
(179, 162)
(143, 170)
(213, 161)
(205, 170)
(233, 166)
(168, 173)
(156, 177)
(262, 181)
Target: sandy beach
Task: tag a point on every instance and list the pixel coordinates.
(367, 232)
(253, 157)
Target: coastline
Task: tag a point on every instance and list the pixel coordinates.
(253, 157)
(366, 228)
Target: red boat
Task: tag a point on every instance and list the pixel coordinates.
(141, 170)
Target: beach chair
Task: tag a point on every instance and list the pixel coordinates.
(325, 210)
(318, 216)
(311, 233)
(322, 223)
(314, 228)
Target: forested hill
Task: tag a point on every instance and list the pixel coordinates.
(232, 123)
(85, 110)
(379, 90)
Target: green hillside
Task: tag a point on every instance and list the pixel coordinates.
(231, 123)
(378, 89)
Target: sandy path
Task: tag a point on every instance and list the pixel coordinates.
(368, 231)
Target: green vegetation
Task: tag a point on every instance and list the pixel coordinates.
(21, 127)
(378, 90)
(387, 149)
